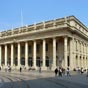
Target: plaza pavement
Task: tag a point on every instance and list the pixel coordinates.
(74, 78)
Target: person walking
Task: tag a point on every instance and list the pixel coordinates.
(68, 72)
(56, 71)
(39, 69)
(87, 73)
(0, 68)
(60, 72)
(63, 71)
(20, 69)
(82, 71)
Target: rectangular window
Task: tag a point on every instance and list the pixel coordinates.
(22, 50)
(38, 48)
(16, 50)
(29, 49)
(46, 47)
(76, 46)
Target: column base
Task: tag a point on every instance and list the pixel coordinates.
(72, 68)
(17, 67)
(13, 67)
(27, 67)
(53, 68)
(34, 67)
(44, 68)
(4, 67)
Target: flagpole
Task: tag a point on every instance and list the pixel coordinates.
(20, 28)
(21, 18)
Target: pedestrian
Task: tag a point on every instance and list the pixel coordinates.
(9, 68)
(0, 68)
(87, 73)
(20, 69)
(68, 72)
(78, 70)
(56, 71)
(39, 69)
(82, 71)
(63, 71)
(60, 72)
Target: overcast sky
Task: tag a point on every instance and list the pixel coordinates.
(12, 12)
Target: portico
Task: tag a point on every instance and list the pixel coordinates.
(47, 45)
(43, 49)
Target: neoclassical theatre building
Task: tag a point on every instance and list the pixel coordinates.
(55, 43)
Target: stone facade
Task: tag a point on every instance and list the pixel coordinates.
(56, 43)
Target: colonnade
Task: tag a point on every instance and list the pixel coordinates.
(70, 57)
(81, 54)
(34, 53)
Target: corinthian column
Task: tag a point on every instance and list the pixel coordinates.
(12, 54)
(34, 54)
(0, 55)
(5, 55)
(71, 54)
(19, 55)
(54, 53)
(44, 53)
(26, 54)
(65, 52)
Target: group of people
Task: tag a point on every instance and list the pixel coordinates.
(81, 70)
(8, 69)
(61, 71)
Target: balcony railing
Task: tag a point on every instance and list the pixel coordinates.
(38, 26)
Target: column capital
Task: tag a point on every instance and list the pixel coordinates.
(54, 37)
(66, 36)
(34, 40)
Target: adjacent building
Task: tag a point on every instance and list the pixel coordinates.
(55, 43)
